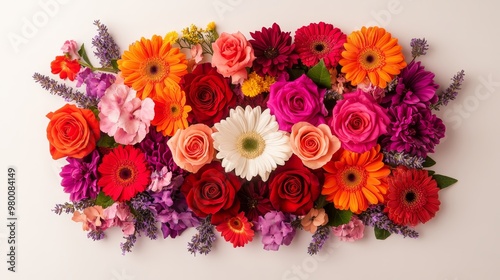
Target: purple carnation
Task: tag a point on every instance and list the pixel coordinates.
(158, 153)
(79, 177)
(413, 130)
(96, 83)
(172, 212)
(297, 101)
(276, 229)
(415, 85)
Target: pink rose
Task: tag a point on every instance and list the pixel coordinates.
(315, 146)
(192, 147)
(358, 120)
(232, 54)
(351, 231)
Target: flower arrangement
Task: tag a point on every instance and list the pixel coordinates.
(252, 137)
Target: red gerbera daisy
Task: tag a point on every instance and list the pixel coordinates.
(412, 196)
(123, 173)
(273, 50)
(237, 230)
(65, 67)
(319, 41)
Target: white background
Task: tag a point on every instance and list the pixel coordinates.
(461, 243)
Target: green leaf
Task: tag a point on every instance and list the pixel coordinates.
(444, 181)
(337, 217)
(83, 55)
(114, 64)
(106, 141)
(320, 75)
(429, 162)
(430, 172)
(104, 200)
(381, 234)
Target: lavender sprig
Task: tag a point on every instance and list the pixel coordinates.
(145, 217)
(72, 207)
(106, 48)
(451, 92)
(400, 158)
(374, 216)
(318, 239)
(96, 235)
(64, 91)
(128, 244)
(418, 47)
(203, 240)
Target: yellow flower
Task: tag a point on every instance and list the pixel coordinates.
(171, 37)
(256, 84)
(211, 26)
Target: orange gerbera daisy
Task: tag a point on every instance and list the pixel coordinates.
(356, 180)
(171, 111)
(150, 65)
(373, 53)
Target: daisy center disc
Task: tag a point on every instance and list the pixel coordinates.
(155, 69)
(353, 177)
(371, 59)
(250, 145)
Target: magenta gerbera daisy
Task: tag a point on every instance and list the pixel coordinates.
(124, 173)
(319, 41)
(273, 50)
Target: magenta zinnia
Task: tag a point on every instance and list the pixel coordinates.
(319, 41)
(124, 173)
(273, 50)
(412, 197)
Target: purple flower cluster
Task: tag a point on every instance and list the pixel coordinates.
(65, 91)
(172, 211)
(158, 153)
(276, 229)
(79, 177)
(418, 47)
(203, 240)
(96, 82)
(415, 85)
(413, 129)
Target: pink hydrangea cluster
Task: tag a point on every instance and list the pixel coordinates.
(123, 115)
(351, 231)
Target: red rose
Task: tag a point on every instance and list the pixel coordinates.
(209, 95)
(212, 191)
(294, 187)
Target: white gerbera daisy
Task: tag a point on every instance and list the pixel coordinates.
(249, 142)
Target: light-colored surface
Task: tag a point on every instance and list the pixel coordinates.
(461, 243)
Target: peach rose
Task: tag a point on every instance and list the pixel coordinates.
(232, 54)
(72, 132)
(192, 147)
(315, 146)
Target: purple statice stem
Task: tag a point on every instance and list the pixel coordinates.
(72, 207)
(96, 235)
(64, 91)
(145, 217)
(451, 92)
(418, 47)
(106, 48)
(318, 239)
(128, 244)
(203, 240)
(374, 216)
(400, 158)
